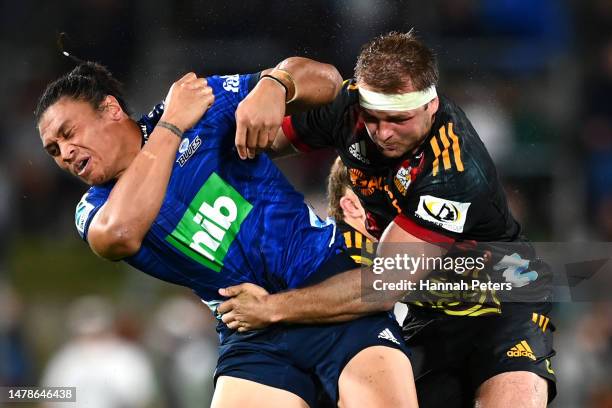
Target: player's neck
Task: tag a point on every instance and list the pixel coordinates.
(131, 141)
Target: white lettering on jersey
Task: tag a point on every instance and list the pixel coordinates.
(222, 214)
(231, 83)
(83, 209)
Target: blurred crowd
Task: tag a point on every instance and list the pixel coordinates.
(534, 76)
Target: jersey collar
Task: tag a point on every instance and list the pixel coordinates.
(144, 131)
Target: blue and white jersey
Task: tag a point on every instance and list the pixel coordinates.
(224, 220)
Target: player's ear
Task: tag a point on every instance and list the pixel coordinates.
(111, 107)
(433, 105)
(350, 208)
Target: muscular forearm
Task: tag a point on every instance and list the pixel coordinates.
(345, 296)
(137, 196)
(338, 298)
(293, 85)
(316, 83)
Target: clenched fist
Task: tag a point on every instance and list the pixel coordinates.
(187, 101)
(259, 117)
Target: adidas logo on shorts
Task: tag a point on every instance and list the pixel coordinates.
(521, 350)
(387, 335)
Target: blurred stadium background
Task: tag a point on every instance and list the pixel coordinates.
(535, 77)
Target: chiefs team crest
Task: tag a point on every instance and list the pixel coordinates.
(407, 173)
(403, 178)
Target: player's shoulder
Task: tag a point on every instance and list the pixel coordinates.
(236, 84)
(455, 154)
(358, 246)
(349, 92)
(344, 109)
(453, 129)
(89, 203)
(346, 100)
(229, 91)
(451, 186)
(97, 193)
(148, 121)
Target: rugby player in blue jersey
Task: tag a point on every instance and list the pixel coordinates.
(170, 196)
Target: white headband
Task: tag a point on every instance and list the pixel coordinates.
(396, 102)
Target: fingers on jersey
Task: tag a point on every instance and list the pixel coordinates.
(231, 318)
(246, 310)
(258, 118)
(237, 321)
(187, 101)
(199, 85)
(235, 290)
(195, 83)
(241, 133)
(254, 134)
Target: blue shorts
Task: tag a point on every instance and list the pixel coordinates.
(303, 359)
(298, 358)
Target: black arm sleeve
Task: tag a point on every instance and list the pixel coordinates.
(325, 126)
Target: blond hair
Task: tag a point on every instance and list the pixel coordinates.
(337, 183)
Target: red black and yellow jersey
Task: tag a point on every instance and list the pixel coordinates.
(360, 248)
(445, 191)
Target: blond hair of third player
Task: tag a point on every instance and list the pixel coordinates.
(343, 204)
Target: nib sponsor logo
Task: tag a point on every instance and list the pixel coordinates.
(210, 223)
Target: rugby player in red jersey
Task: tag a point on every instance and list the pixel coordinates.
(425, 179)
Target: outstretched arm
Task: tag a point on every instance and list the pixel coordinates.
(339, 298)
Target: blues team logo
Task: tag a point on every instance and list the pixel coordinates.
(188, 149)
(183, 146)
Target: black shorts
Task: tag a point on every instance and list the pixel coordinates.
(453, 355)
